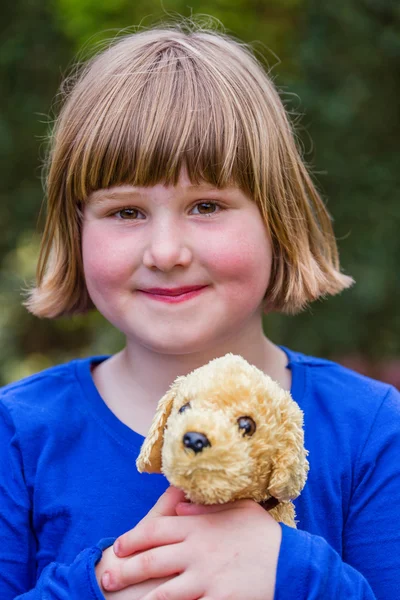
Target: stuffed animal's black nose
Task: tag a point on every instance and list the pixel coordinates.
(195, 441)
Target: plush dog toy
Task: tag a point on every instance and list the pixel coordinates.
(227, 431)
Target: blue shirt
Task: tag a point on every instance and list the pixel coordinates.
(69, 486)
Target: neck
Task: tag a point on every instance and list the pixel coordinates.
(132, 382)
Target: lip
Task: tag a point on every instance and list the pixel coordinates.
(173, 295)
(172, 291)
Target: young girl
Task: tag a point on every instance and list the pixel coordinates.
(179, 207)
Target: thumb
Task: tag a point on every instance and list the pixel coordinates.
(187, 508)
(165, 505)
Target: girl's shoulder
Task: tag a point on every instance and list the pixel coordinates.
(348, 417)
(51, 378)
(336, 387)
(47, 394)
(44, 418)
(45, 378)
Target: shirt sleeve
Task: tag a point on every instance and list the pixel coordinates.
(310, 569)
(57, 581)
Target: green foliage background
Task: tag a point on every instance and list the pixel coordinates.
(338, 67)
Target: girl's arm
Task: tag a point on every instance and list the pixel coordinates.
(18, 546)
(308, 568)
(18, 550)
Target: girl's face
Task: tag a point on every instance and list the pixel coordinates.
(142, 246)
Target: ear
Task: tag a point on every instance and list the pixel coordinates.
(289, 465)
(149, 459)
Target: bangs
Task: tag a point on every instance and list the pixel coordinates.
(142, 124)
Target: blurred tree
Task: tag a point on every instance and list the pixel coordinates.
(86, 22)
(343, 61)
(34, 51)
(348, 78)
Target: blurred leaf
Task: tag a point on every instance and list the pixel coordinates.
(336, 64)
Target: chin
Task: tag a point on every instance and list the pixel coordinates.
(177, 346)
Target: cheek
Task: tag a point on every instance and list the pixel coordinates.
(103, 261)
(243, 261)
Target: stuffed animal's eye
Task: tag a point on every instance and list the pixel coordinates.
(184, 407)
(246, 425)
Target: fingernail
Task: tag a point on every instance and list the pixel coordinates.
(106, 581)
(116, 547)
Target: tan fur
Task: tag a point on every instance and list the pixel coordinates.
(271, 462)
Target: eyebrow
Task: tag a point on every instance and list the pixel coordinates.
(112, 194)
(123, 194)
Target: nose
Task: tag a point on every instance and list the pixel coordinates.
(195, 441)
(167, 247)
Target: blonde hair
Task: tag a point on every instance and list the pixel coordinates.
(172, 97)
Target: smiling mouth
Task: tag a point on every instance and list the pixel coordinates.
(173, 296)
(173, 291)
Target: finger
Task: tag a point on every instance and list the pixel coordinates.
(150, 533)
(152, 564)
(182, 587)
(187, 508)
(136, 592)
(165, 506)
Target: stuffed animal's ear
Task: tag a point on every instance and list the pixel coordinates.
(289, 465)
(149, 459)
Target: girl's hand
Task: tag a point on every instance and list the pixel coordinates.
(111, 562)
(133, 592)
(221, 551)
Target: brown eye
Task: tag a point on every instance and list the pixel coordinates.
(129, 214)
(207, 208)
(184, 407)
(246, 425)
